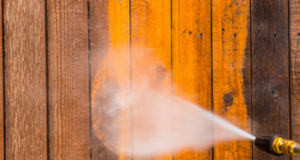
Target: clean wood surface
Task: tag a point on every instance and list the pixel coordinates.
(25, 79)
(191, 58)
(68, 76)
(270, 71)
(151, 48)
(110, 70)
(231, 72)
(294, 9)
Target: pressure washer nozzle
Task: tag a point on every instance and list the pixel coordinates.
(277, 145)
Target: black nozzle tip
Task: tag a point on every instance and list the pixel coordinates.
(265, 143)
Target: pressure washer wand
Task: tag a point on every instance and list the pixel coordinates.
(277, 145)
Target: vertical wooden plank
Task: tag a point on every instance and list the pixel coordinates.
(151, 41)
(1, 92)
(294, 17)
(191, 55)
(110, 71)
(231, 71)
(25, 79)
(67, 31)
(270, 70)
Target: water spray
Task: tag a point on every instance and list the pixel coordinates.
(277, 145)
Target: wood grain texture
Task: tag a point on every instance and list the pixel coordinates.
(294, 17)
(68, 72)
(191, 55)
(110, 71)
(1, 92)
(151, 49)
(25, 79)
(231, 72)
(270, 70)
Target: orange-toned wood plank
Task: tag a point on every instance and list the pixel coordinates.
(151, 41)
(110, 71)
(191, 50)
(25, 79)
(68, 72)
(231, 71)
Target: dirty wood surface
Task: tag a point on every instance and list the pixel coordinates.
(110, 70)
(231, 72)
(191, 58)
(25, 79)
(68, 74)
(270, 71)
(294, 12)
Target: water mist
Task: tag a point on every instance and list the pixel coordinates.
(136, 116)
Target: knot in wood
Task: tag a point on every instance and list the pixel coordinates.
(228, 99)
(161, 72)
(274, 92)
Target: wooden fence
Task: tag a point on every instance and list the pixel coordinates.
(240, 57)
